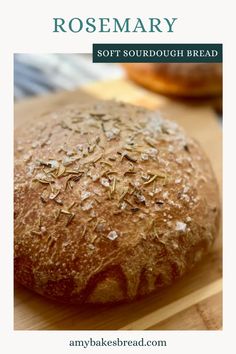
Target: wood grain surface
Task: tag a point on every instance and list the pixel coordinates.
(193, 302)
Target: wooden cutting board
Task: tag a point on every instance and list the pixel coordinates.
(193, 302)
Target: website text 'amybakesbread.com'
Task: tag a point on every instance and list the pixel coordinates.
(102, 342)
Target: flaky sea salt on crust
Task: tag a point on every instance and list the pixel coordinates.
(180, 226)
(112, 235)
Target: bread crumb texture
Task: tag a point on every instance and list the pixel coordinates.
(111, 202)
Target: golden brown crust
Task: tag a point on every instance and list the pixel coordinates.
(111, 202)
(178, 79)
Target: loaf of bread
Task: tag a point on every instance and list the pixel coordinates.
(178, 79)
(111, 203)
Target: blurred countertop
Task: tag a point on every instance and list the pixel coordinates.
(36, 74)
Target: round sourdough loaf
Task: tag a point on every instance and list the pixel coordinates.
(178, 79)
(111, 202)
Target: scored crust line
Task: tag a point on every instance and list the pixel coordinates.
(175, 307)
